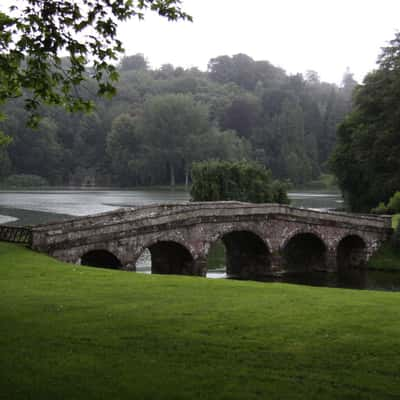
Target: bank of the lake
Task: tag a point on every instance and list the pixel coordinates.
(387, 258)
(73, 332)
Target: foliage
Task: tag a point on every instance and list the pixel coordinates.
(285, 123)
(25, 180)
(125, 147)
(395, 221)
(394, 203)
(4, 139)
(387, 258)
(392, 207)
(136, 62)
(241, 181)
(34, 33)
(171, 122)
(63, 326)
(365, 159)
(396, 238)
(381, 209)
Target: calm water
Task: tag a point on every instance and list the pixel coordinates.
(39, 206)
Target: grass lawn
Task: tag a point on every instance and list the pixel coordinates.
(71, 332)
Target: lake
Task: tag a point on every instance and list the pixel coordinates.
(25, 207)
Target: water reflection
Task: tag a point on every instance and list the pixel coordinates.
(319, 200)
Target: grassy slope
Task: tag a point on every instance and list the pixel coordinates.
(83, 333)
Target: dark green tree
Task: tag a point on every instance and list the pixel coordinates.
(366, 159)
(241, 181)
(125, 146)
(169, 122)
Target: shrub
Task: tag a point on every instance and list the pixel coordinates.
(394, 203)
(25, 180)
(241, 181)
(396, 238)
(381, 209)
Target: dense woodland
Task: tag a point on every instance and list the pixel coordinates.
(366, 159)
(162, 120)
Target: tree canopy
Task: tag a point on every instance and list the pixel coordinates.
(366, 159)
(34, 34)
(161, 120)
(240, 180)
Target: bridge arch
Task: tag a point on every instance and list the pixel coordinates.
(304, 251)
(351, 252)
(170, 257)
(101, 258)
(247, 255)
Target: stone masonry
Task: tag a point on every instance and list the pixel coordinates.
(259, 238)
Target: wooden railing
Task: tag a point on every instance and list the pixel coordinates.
(15, 234)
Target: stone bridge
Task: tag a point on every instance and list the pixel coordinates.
(260, 239)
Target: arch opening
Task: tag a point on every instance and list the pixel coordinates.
(246, 255)
(101, 259)
(171, 258)
(351, 253)
(304, 252)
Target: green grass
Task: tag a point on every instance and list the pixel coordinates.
(71, 332)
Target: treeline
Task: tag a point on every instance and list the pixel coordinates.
(162, 120)
(366, 159)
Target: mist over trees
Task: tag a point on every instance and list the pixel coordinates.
(163, 120)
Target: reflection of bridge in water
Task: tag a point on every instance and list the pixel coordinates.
(259, 239)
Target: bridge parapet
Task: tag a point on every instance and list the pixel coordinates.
(15, 234)
(128, 219)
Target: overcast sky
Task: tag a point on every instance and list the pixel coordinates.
(322, 35)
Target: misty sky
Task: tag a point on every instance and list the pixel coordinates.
(297, 35)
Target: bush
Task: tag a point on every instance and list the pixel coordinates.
(25, 180)
(381, 209)
(241, 181)
(392, 207)
(396, 238)
(394, 203)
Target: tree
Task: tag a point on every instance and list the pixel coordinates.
(242, 115)
(136, 62)
(284, 122)
(35, 152)
(169, 121)
(34, 33)
(366, 158)
(125, 148)
(242, 181)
